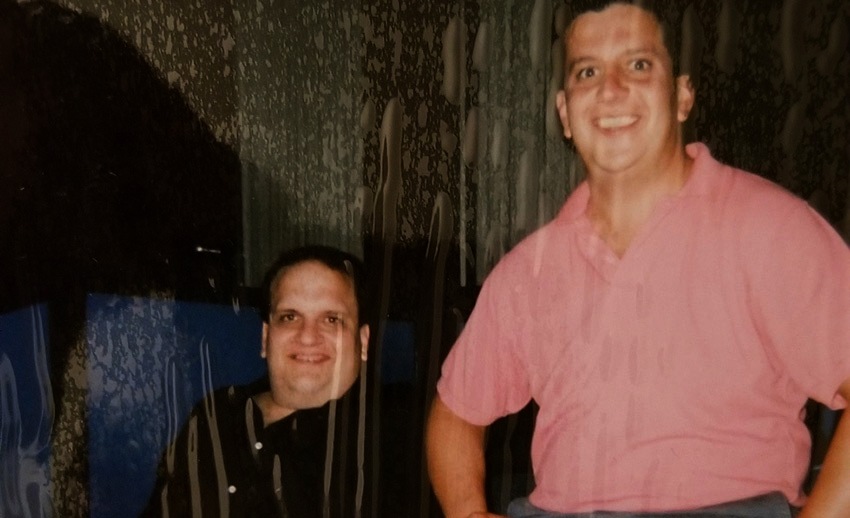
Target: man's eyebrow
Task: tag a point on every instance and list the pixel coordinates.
(572, 63)
(651, 50)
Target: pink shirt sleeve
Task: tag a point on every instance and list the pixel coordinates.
(800, 294)
(483, 378)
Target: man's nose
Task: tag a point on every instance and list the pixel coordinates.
(309, 333)
(612, 85)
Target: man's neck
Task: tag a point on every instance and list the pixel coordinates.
(621, 202)
(272, 412)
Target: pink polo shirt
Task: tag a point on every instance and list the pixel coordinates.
(674, 377)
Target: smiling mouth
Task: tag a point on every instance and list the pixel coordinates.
(616, 122)
(309, 358)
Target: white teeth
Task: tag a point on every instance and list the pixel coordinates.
(616, 122)
(308, 358)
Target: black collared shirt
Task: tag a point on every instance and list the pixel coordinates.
(225, 463)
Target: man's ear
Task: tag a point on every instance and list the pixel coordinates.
(364, 342)
(561, 105)
(685, 97)
(265, 340)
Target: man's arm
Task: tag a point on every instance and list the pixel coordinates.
(455, 450)
(831, 494)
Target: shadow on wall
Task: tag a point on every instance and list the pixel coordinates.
(110, 183)
(112, 180)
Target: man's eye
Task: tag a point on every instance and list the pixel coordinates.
(641, 64)
(332, 319)
(285, 317)
(586, 73)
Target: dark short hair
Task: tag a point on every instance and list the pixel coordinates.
(335, 259)
(668, 14)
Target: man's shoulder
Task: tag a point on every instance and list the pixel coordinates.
(733, 188)
(759, 196)
(550, 240)
(757, 210)
(228, 399)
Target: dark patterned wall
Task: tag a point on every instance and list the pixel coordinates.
(773, 94)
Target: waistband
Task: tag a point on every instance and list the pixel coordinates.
(770, 505)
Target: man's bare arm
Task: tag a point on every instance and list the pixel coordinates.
(455, 450)
(831, 495)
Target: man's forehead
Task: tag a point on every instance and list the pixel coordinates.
(617, 23)
(313, 279)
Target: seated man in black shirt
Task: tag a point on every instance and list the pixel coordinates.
(290, 444)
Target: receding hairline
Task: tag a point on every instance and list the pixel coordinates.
(348, 275)
(658, 22)
(335, 259)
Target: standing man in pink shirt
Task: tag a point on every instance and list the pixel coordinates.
(670, 322)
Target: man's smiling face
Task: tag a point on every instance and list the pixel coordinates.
(620, 103)
(313, 342)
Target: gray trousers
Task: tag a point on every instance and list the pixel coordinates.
(771, 505)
